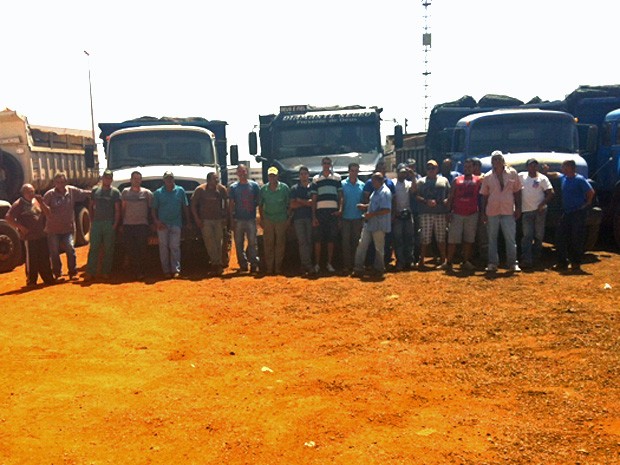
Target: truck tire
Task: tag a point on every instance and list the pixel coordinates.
(82, 227)
(10, 248)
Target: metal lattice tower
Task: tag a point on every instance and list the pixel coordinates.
(426, 43)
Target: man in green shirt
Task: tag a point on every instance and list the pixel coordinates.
(106, 215)
(273, 209)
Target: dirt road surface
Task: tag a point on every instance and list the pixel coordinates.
(421, 368)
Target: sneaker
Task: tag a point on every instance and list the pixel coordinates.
(491, 268)
(176, 275)
(515, 268)
(444, 266)
(330, 268)
(73, 277)
(469, 266)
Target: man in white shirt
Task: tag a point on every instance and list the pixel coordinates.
(536, 194)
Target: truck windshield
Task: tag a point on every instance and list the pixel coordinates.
(160, 148)
(523, 133)
(325, 140)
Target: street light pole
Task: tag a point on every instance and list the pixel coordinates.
(90, 90)
(89, 150)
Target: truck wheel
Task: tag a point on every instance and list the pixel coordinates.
(82, 227)
(10, 248)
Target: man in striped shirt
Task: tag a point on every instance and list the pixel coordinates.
(326, 209)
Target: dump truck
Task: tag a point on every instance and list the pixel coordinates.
(189, 147)
(34, 154)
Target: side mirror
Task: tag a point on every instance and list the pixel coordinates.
(592, 139)
(253, 143)
(234, 154)
(398, 136)
(89, 156)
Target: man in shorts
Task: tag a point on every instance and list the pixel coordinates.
(326, 209)
(432, 196)
(463, 204)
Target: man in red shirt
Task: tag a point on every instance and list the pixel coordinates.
(463, 203)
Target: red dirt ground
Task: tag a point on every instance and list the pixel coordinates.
(421, 368)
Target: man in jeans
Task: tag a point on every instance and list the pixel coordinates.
(209, 207)
(58, 206)
(501, 207)
(301, 210)
(536, 194)
(402, 219)
(105, 211)
(577, 197)
(243, 199)
(170, 206)
(352, 217)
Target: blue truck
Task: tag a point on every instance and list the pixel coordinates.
(597, 109)
(302, 135)
(596, 149)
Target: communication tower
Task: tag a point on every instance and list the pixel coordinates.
(426, 43)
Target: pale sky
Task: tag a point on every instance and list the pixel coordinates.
(233, 60)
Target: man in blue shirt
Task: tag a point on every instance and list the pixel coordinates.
(243, 199)
(170, 206)
(381, 167)
(378, 223)
(577, 197)
(352, 217)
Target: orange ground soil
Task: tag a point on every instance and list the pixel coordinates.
(421, 368)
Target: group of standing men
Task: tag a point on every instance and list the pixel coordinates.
(470, 209)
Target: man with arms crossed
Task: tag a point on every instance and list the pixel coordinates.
(209, 207)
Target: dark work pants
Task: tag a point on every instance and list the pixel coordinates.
(571, 236)
(135, 237)
(38, 261)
